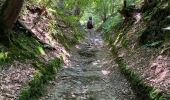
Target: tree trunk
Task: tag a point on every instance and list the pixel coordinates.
(104, 17)
(9, 14)
(76, 10)
(169, 4)
(105, 12)
(124, 4)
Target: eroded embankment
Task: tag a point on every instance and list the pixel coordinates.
(147, 66)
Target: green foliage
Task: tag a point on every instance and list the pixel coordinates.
(167, 35)
(154, 35)
(22, 47)
(104, 8)
(75, 33)
(111, 23)
(37, 85)
(71, 3)
(41, 50)
(27, 43)
(66, 41)
(3, 56)
(125, 42)
(143, 90)
(39, 2)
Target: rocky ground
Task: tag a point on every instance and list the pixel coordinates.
(16, 75)
(152, 67)
(91, 75)
(13, 77)
(152, 64)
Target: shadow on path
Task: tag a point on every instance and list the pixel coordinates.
(91, 75)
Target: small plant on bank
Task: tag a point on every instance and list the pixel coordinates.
(28, 47)
(143, 90)
(36, 86)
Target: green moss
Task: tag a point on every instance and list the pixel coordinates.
(67, 42)
(143, 91)
(22, 47)
(149, 36)
(156, 21)
(36, 87)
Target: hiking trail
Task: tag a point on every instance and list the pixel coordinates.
(91, 75)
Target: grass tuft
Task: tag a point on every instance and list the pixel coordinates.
(37, 85)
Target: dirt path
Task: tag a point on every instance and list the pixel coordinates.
(91, 75)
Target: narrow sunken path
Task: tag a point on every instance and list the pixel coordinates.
(91, 75)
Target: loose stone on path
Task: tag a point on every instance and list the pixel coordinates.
(91, 75)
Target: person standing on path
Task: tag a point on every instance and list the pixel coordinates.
(90, 28)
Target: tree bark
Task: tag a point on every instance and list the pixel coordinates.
(169, 4)
(9, 14)
(76, 11)
(124, 4)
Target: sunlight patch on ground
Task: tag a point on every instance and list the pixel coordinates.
(96, 62)
(88, 76)
(78, 47)
(105, 72)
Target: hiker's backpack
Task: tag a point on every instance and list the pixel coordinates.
(89, 24)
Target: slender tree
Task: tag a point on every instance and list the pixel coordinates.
(169, 4)
(104, 9)
(8, 15)
(76, 9)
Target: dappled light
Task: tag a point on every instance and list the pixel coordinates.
(118, 38)
(41, 50)
(138, 17)
(96, 62)
(89, 76)
(84, 49)
(3, 55)
(105, 72)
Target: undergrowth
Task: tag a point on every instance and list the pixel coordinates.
(74, 33)
(156, 19)
(142, 90)
(46, 73)
(66, 41)
(22, 47)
